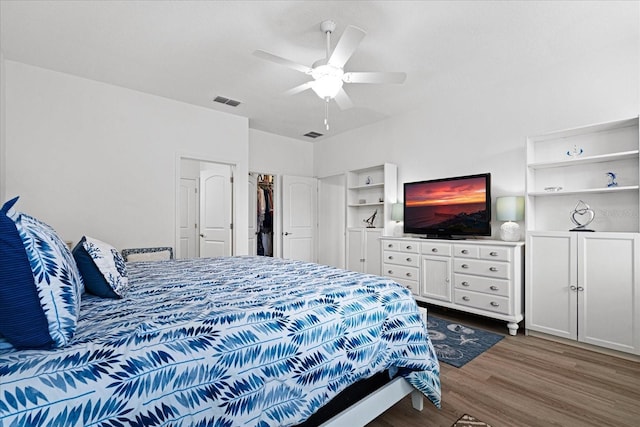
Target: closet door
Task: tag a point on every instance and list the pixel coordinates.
(253, 231)
(299, 224)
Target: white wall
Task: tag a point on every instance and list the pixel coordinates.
(96, 159)
(475, 126)
(279, 155)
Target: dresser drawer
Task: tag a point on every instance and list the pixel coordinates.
(493, 303)
(400, 272)
(495, 253)
(482, 284)
(484, 268)
(466, 251)
(401, 258)
(400, 246)
(412, 285)
(443, 249)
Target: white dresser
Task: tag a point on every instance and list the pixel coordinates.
(483, 277)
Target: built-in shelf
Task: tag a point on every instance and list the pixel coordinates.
(606, 152)
(366, 186)
(603, 190)
(353, 205)
(633, 154)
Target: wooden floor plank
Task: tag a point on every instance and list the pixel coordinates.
(526, 381)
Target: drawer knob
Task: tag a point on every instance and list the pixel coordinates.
(493, 253)
(409, 247)
(493, 268)
(493, 287)
(408, 274)
(408, 259)
(466, 298)
(465, 283)
(434, 249)
(390, 245)
(464, 251)
(494, 304)
(389, 271)
(465, 266)
(390, 257)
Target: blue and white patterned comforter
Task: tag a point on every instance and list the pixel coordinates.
(249, 341)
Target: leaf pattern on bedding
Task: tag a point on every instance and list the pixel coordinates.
(220, 342)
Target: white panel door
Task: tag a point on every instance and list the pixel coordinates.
(355, 243)
(188, 218)
(253, 215)
(215, 211)
(299, 225)
(331, 221)
(552, 281)
(372, 251)
(609, 290)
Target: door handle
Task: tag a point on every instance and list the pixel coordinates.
(286, 233)
(202, 235)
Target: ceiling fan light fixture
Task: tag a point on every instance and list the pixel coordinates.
(328, 81)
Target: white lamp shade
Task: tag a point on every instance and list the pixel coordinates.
(510, 208)
(397, 212)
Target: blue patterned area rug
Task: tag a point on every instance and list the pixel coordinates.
(455, 343)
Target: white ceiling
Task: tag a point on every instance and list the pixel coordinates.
(193, 51)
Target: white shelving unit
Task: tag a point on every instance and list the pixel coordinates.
(605, 147)
(369, 190)
(584, 286)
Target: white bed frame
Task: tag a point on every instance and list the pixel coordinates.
(369, 407)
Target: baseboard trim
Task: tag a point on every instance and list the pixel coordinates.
(594, 348)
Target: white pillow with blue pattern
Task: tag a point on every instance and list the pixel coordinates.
(102, 268)
(40, 285)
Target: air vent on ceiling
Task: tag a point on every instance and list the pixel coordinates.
(313, 134)
(227, 101)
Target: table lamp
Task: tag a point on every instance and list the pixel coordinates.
(510, 208)
(397, 215)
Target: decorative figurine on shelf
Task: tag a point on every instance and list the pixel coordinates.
(582, 212)
(575, 152)
(368, 180)
(371, 219)
(612, 179)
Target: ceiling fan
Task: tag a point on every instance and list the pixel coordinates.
(328, 73)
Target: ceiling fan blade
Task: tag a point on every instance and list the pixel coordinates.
(300, 88)
(282, 61)
(343, 100)
(347, 44)
(374, 77)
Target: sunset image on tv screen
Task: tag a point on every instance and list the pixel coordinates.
(446, 204)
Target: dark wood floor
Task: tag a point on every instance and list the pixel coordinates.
(527, 381)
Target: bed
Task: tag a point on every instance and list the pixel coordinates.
(252, 341)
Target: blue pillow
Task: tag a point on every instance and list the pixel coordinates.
(102, 267)
(40, 285)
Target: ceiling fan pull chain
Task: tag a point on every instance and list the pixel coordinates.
(326, 113)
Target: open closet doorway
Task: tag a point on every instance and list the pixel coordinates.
(262, 214)
(204, 208)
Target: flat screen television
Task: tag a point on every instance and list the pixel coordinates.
(455, 207)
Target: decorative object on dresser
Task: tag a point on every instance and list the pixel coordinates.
(584, 287)
(483, 277)
(509, 209)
